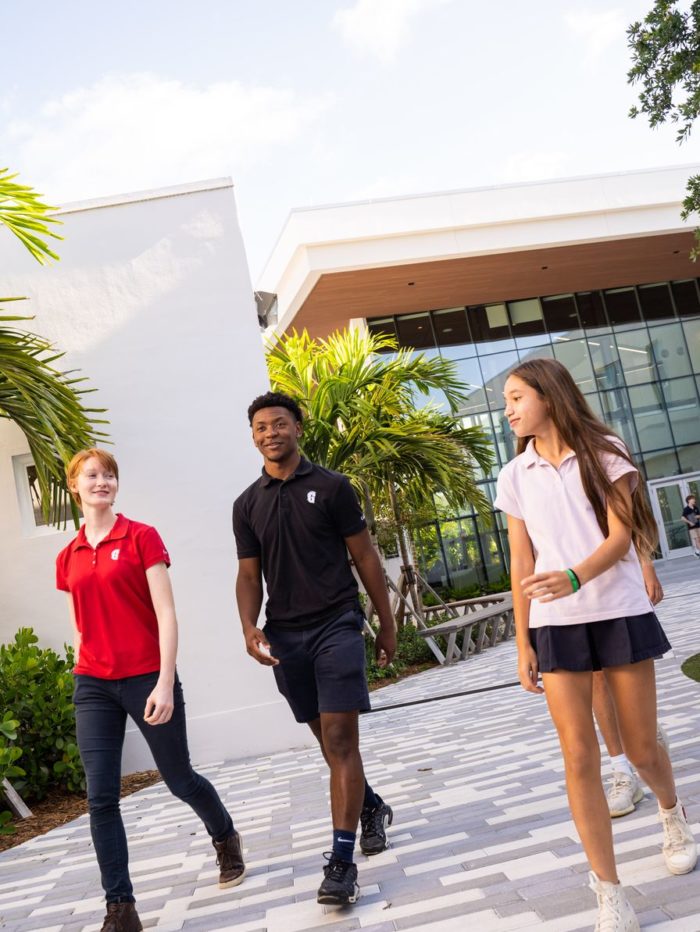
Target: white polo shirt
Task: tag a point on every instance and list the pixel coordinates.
(563, 529)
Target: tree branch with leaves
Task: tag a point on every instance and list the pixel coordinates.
(44, 401)
(665, 48)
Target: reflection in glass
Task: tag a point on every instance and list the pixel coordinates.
(506, 441)
(527, 322)
(591, 311)
(469, 374)
(689, 458)
(451, 328)
(415, 330)
(617, 413)
(671, 505)
(574, 355)
(559, 313)
(661, 463)
(655, 301)
(691, 329)
(537, 352)
(606, 362)
(636, 357)
(685, 296)
(682, 405)
(670, 351)
(495, 371)
(490, 328)
(650, 417)
(622, 306)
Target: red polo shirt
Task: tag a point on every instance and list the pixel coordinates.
(113, 607)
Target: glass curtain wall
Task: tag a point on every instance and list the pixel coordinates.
(635, 354)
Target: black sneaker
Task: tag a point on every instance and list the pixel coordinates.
(374, 823)
(339, 886)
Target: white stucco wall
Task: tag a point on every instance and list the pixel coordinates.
(152, 301)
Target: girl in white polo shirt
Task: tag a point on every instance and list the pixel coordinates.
(578, 518)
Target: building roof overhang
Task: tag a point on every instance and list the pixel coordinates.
(399, 255)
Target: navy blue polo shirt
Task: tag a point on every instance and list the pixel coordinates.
(297, 527)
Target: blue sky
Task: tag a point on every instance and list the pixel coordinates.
(318, 101)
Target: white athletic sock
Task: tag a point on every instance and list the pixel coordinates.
(621, 765)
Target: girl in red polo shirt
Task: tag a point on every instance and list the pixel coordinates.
(121, 604)
(578, 519)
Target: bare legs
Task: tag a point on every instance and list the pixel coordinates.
(570, 696)
(338, 735)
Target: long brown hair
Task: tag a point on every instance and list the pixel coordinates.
(589, 438)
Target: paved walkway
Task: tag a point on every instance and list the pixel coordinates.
(482, 838)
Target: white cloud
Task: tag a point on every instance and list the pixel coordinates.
(380, 27)
(128, 132)
(597, 29)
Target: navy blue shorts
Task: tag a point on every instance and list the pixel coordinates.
(595, 645)
(321, 669)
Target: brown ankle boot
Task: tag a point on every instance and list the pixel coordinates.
(229, 857)
(121, 917)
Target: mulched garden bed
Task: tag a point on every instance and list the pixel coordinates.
(59, 807)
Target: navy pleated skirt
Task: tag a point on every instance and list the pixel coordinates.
(598, 644)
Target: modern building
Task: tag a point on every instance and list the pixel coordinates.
(152, 301)
(593, 271)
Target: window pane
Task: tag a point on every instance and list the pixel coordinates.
(574, 355)
(506, 441)
(655, 301)
(469, 374)
(622, 306)
(527, 322)
(636, 357)
(462, 551)
(670, 351)
(650, 417)
(689, 458)
(495, 371)
(490, 328)
(560, 314)
(536, 352)
(384, 327)
(415, 331)
(606, 362)
(660, 464)
(682, 405)
(685, 295)
(617, 413)
(452, 332)
(691, 329)
(591, 310)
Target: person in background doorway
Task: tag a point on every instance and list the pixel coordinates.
(115, 575)
(691, 516)
(294, 527)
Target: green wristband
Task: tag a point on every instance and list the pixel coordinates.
(575, 584)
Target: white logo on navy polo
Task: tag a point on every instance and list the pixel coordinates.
(115, 554)
(311, 497)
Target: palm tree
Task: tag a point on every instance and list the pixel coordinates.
(362, 419)
(43, 401)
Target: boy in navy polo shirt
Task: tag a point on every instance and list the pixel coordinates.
(294, 526)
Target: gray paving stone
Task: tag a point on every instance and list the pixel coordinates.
(495, 774)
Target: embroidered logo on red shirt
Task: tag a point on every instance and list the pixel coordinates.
(115, 554)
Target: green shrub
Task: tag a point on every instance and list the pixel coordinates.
(36, 687)
(410, 650)
(9, 753)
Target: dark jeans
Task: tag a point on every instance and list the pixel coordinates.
(101, 708)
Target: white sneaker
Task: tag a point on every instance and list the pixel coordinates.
(680, 850)
(624, 793)
(614, 911)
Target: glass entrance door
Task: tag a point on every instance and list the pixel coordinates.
(668, 501)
